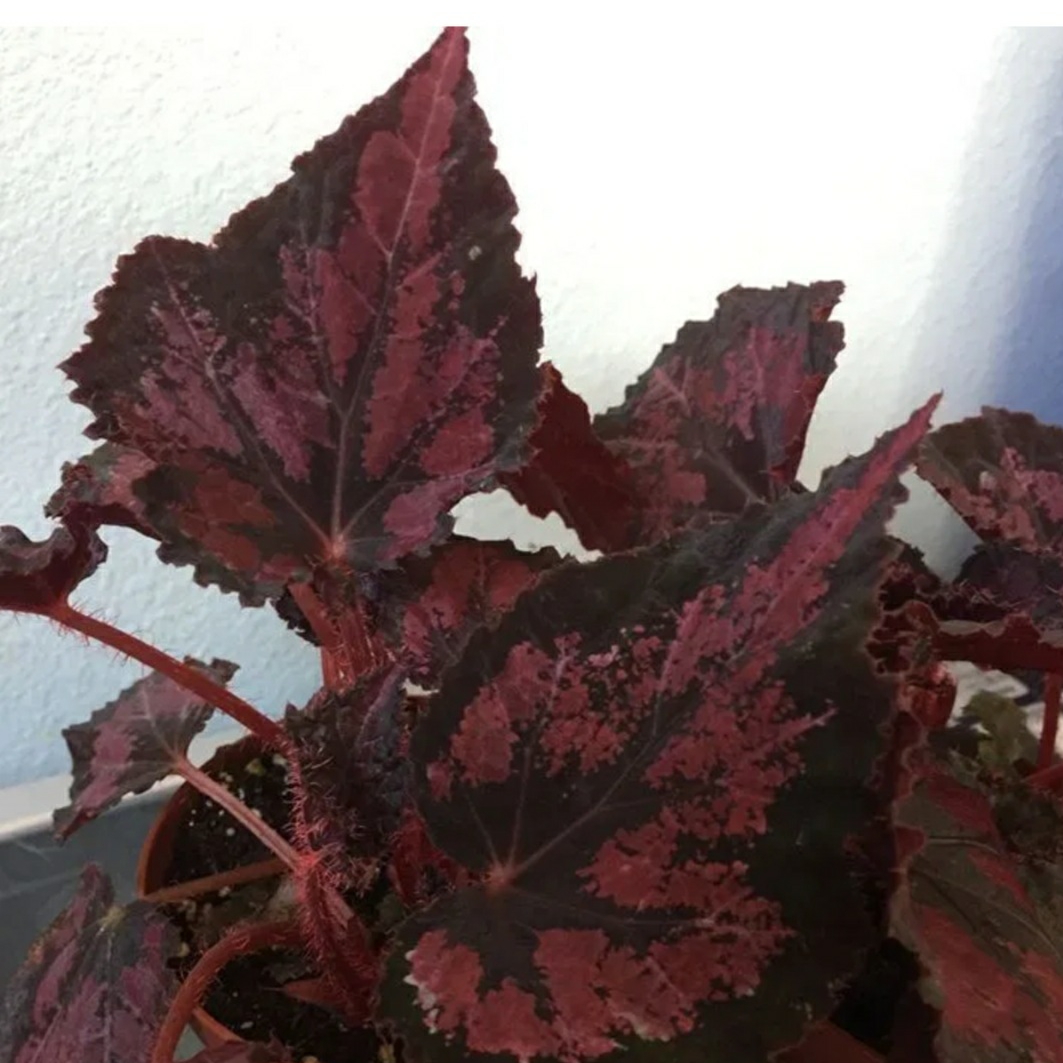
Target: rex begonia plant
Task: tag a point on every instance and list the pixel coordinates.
(676, 803)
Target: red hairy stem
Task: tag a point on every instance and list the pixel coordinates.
(237, 876)
(238, 941)
(1050, 727)
(244, 713)
(341, 945)
(239, 811)
(347, 649)
(828, 1043)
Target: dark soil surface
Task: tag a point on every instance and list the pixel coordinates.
(212, 840)
(248, 996)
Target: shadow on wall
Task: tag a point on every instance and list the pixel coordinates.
(993, 332)
(1028, 367)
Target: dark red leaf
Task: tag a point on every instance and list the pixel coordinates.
(1005, 610)
(1012, 579)
(350, 356)
(95, 986)
(133, 742)
(431, 605)
(1003, 473)
(655, 766)
(718, 422)
(573, 473)
(244, 1052)
(98, 489)
(38, 577)
(992, 960)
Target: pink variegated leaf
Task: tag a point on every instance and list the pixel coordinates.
(981, 909)
(349, 356)
(573, 473)
(431, 605)
(718, 422)
(655, 769)
(133, 742)
(95, 986)
(1003, 473)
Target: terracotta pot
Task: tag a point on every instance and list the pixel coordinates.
(157, 853)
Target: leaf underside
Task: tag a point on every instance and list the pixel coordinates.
(349, 357)
(990, 950)
(95, 986)
(718, 422)
(653, 767)
(133, 742)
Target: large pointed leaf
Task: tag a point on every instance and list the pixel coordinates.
(655, 766)
(133, 742)
(38, 577)
(350, 356)
(573, 473)
(95, 986)
(718, 422)
(992, 958)
(1003, 473)
(433, 604)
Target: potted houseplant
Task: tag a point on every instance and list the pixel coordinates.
(699, 799)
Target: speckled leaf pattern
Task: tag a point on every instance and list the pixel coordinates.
(718, 422)
(992, 961)
(1003, 473)
(654, 767)
(431, 605)
(95, 987)
(350, 356)
(36, 577)
(133, 742)
(573, 473)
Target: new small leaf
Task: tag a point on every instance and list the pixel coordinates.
(133, 742)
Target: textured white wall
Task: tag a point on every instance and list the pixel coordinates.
(656, 166)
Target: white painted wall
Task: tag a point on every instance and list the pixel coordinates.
(656, 166)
